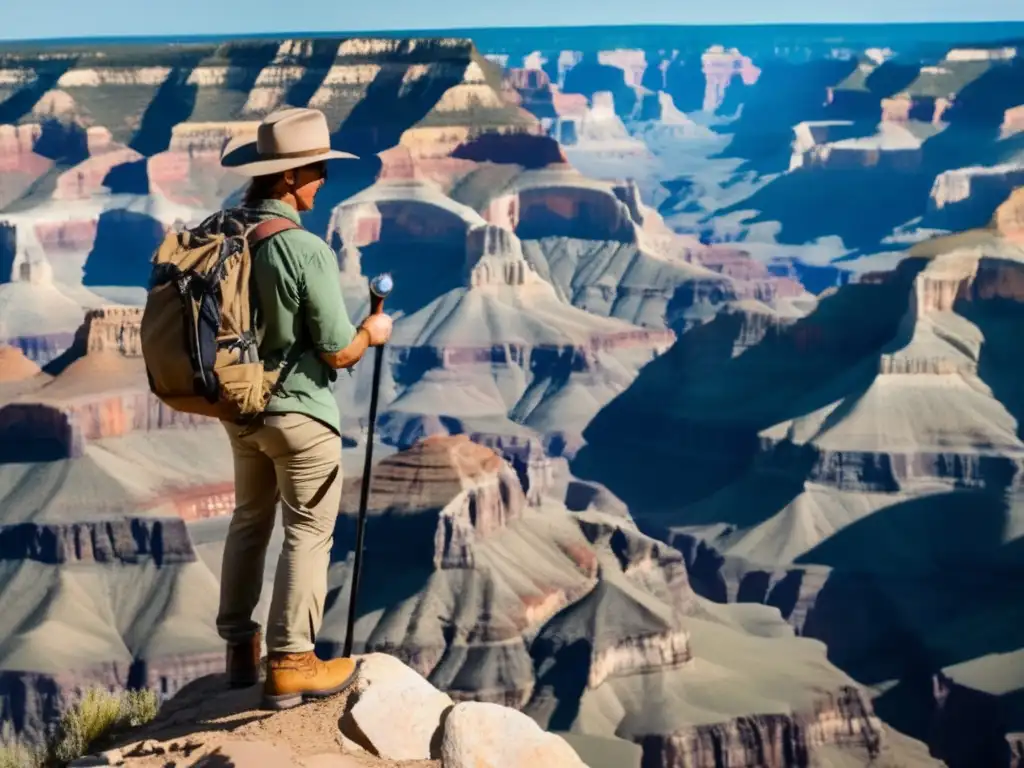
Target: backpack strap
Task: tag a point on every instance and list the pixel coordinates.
(269, 228)
(257, 234)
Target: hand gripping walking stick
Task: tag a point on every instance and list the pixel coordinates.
(380, 287)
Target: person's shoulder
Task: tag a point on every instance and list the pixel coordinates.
(303, 244)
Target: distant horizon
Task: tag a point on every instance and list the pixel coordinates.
(507, 28)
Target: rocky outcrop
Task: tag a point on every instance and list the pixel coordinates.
(839, 145)
(466, 491)
(930, 96)
(384, 685)
(534, 468)
(70, 424)
(720, 67)
(125, 541)
(397, 212)
(969, 196)
(843, 719)
(495, 258)
(103, 392)
(753, 280)
(115, 330)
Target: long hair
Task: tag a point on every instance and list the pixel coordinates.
(260, 188)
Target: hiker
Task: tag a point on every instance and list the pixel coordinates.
(292, 452)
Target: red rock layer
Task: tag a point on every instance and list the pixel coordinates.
(432, 472)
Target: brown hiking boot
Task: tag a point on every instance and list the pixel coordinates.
(294, 677)
(243, 662)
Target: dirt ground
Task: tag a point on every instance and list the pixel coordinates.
(205, 715)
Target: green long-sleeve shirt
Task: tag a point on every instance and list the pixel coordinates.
(298, 290)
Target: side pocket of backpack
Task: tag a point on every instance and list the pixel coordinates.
(245, 386)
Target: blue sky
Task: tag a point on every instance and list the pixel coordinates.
(75, 18)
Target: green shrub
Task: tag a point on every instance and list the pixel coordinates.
(15, 753)
(97, 714)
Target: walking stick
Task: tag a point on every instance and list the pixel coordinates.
(380, 287)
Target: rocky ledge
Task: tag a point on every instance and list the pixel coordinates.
(390, 717)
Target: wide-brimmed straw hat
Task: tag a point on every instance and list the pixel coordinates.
(286, 139)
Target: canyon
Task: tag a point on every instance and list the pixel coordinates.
(701, 391)
(457, 517)
(804, 502)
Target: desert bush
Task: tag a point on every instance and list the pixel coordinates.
(97, 714)
(16, 753)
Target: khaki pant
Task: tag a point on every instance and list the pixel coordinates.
(296, 459)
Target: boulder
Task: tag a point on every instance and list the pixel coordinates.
(385, 688)
(483, 735)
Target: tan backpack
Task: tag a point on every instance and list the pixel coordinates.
(198, 333)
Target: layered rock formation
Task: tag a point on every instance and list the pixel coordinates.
(125, 541)
(60, 259)
(102, 394)
(838, 145)
(99, 581)
(936, 87)
(598, 612)
(607, 251)
(787, 423)
(720, 67)
(842, 440)
(969, 196)
(476, 315)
